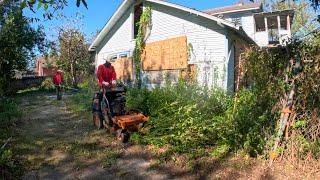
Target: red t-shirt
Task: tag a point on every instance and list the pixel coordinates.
(57, 79)
(106, 74)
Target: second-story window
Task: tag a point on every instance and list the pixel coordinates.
(236, 21)
(260, 24)
(138, 9)
(283, 22)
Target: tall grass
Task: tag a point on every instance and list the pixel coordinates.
(81, 101)
(188, 117)
(8, 114)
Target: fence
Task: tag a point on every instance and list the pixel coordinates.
(25, 83)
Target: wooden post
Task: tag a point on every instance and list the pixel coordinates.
(289, 25)
(266, 27)
(279, 28)
(266, 23)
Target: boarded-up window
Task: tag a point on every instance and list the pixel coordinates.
(167, 54)
(189, 74)
(123, 68)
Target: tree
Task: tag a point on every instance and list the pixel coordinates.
(74, 57)
(313, 3)
(46, 3)
(50, 6)
(18, 42)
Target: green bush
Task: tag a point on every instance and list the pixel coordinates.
(6, 158)
(8, 114)
(187, 117)
(47, 84)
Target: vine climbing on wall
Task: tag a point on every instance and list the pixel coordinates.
(144, 23)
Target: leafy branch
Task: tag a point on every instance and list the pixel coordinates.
(144, 23)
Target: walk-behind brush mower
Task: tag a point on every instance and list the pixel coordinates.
(109, 111)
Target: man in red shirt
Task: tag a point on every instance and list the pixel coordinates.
(106, 75)
(57, 80)
(107, 78)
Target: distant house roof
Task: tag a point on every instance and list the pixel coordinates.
(278, 12)
(234, 8)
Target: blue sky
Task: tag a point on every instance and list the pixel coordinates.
(99, 11)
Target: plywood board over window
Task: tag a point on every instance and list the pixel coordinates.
(169, 54)
(123, 68)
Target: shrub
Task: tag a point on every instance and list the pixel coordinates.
(47, 84)
(8, 113)
(187, 117)
(274, 74)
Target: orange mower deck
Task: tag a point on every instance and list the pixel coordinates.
(130, 121)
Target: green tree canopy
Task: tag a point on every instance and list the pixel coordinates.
(74, 57)
(18, 41)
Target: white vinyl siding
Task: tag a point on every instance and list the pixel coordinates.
(119, 39)
(247, 22)
(206, 37)
(248, 25)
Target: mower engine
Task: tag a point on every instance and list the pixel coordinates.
(116, 99)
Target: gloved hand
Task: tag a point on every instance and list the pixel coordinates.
(105, 83)
(114, 82)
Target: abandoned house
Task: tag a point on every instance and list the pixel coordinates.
(180, 41)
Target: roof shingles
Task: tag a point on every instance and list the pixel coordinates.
(233, 8)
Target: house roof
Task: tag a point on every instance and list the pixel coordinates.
(127, 3)
(289, 12)
(239, 7)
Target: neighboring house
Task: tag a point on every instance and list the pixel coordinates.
(265, 28)
(182, 40)
(45, 66)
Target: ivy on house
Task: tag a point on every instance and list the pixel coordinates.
(144, 23)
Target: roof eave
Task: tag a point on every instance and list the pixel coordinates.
(196, 12)
(125, 5)
(285, 11)
(234, 11)
(114, 18)
(245, 36)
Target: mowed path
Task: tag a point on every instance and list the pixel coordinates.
(54, 143)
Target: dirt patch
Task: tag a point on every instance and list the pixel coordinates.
(54, 143)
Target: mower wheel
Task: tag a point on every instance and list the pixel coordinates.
(97, 120)
(123, 136)
(141, 125)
